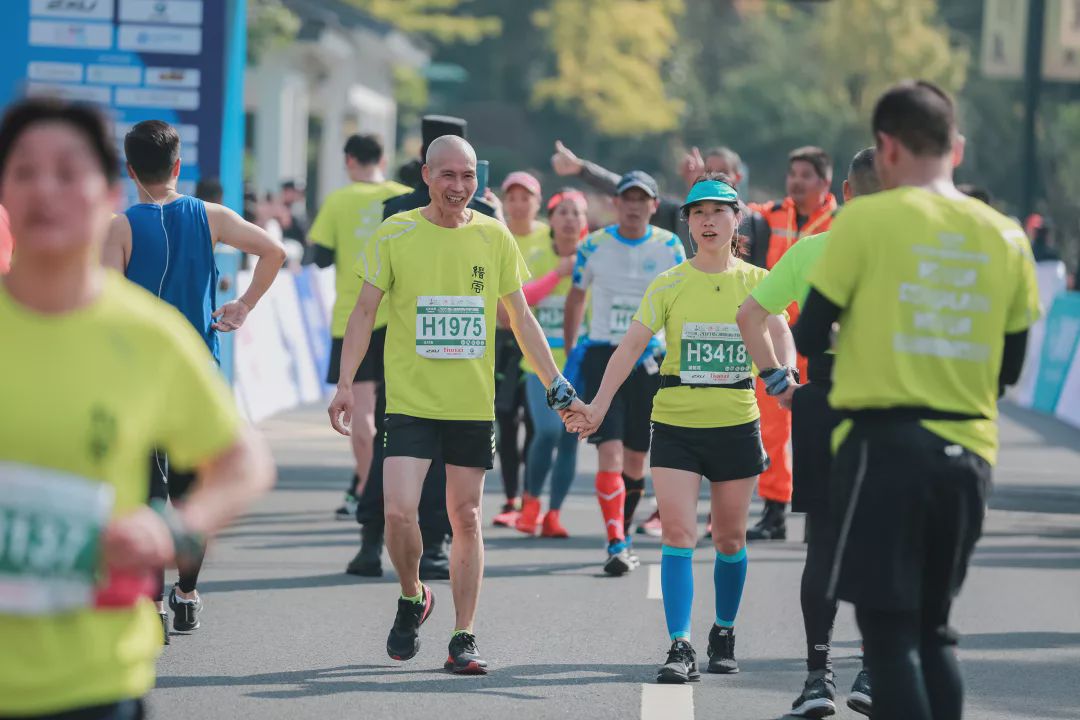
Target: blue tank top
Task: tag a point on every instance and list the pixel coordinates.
(172, 256)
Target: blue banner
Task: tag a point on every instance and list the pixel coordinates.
(1059, 348)
(169, 60)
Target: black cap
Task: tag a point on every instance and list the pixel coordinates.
(435, 126)
(638, 179)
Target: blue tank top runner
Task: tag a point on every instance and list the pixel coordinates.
(172, 256)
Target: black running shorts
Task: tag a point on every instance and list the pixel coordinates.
(909, 506)
(628, 417)
(371, 367)
(466, 443)
(719, 454)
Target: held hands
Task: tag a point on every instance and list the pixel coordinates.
(584, 420)
(231, 316)
(341, 411)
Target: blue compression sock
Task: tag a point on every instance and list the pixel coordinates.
(729, 576)
(677, 584)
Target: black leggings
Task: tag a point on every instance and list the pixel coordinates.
(912, 664)
(818, 610)
(168, 483)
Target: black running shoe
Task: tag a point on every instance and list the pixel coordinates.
(818, 697)
(681, 666)
(772, 525)
(860, 699)
(185, 612)
(722, 651)
(464, 658)
(619, 560)
(164, 627)
(404, 640)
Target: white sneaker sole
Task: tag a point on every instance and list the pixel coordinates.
(860, 703)
(817, 708)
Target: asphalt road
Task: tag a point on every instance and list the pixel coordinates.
(286, 634)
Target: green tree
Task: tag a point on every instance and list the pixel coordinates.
(608, 60)
(767, 77)
(444, 21)
(270, 26)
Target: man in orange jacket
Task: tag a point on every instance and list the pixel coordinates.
(807, 210)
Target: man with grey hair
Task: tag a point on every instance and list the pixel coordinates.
(812, 423)
(443, 270)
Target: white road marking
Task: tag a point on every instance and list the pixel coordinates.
(667, 702)
(654, 592)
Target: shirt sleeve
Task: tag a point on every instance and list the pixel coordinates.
(653, 311)
(582, 277)
(376, 264)
(1024, 307)
(512, 268)
(777, 289)
(836, 273)
(201, 420)
(322, 230)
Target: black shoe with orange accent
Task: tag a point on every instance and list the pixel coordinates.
(464, 658)
(404, 640)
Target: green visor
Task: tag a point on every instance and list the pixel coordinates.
(711, 190)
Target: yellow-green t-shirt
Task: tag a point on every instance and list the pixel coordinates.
(345, 222)
(696, 311)
(443, 286)
(537, 239)
(549, 311)
(86, 395)
(928, 288)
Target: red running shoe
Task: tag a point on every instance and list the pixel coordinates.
(552, 527)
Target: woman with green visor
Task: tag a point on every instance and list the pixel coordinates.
(705, 417)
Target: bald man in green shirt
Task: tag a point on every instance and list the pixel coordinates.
(812, 423)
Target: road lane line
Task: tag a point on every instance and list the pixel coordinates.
(654, 592)
(667, 702)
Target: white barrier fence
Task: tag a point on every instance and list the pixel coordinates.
(282, 351)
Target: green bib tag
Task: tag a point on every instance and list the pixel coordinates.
(450, 327)
(50, 530)
(549, 313)
(713, 354)
(622, 313)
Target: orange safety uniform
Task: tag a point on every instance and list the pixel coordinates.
(775, 482)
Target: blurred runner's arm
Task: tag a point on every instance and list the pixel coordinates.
(117, 250)
(353, 349)
(234, 231)
(567, 164)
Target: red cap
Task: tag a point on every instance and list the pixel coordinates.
(525, 180)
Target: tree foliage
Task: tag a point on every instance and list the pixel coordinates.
(444, 21)
(270, 25)
(608, 58)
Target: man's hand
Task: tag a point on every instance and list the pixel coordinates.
(341, 410)
(564, 162)
(692, 166)
(231, 316)
(136, 542)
